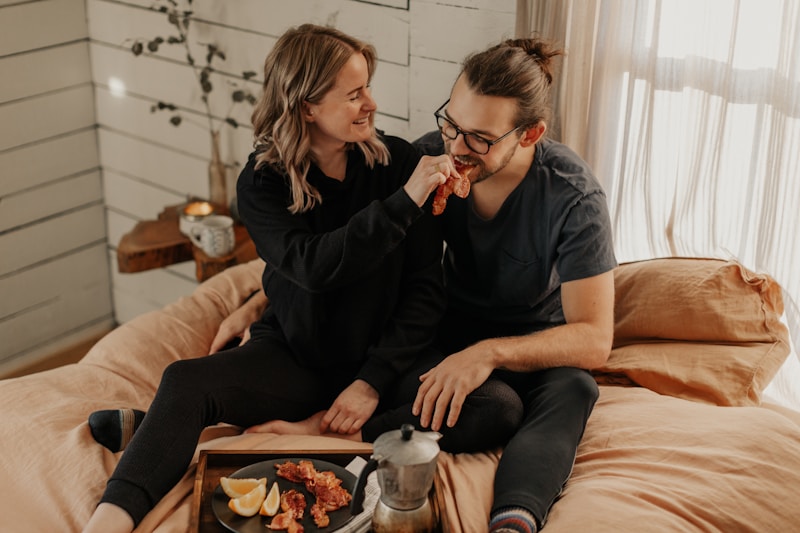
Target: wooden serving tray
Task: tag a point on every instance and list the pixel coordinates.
(213, 464)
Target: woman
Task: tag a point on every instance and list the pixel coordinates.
(353, 276)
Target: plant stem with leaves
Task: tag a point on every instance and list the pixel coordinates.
(181, 20)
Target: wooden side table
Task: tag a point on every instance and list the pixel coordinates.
(159, 243)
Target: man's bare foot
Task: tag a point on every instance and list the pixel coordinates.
(309, 426)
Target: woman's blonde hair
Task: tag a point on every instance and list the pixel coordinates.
(302, 67)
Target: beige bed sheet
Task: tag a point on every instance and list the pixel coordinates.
(653, 463)
(648, 462)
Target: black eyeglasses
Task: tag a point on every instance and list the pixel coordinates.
(474, 142)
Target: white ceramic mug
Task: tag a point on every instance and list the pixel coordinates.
(214, 235)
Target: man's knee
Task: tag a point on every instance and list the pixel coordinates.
(568, 387)
(583, 385)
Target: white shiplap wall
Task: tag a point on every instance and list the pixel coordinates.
(146, 163)
(54, 276)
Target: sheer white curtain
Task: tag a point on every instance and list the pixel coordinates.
(689, 112)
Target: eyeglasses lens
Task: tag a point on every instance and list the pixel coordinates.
(451, 131)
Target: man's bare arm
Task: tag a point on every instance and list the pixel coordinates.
(583, 342)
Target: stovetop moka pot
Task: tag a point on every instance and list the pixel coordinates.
(405, 461)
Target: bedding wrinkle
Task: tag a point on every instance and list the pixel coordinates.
(470, 474)
(122, 370)
(668, 460)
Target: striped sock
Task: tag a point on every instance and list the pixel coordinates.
(513, 520)
(114, 428)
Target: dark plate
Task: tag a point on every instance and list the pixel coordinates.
(258, 523)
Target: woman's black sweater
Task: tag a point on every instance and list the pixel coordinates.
(355, 282)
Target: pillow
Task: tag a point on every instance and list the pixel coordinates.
(701, 329)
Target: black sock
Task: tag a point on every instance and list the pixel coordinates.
(114, 428)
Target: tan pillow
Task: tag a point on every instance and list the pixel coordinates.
(702, 329)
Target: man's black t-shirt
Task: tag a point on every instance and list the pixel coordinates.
(554, 227)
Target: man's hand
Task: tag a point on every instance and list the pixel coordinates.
(237, 324)
(351, 409)
(445, 387)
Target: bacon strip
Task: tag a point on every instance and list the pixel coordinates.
(458, 185)
(293, 505)
(325, 486)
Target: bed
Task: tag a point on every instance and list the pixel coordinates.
(681, 438)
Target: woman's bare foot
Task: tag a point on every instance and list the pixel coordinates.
(309, 426)
(108, 518)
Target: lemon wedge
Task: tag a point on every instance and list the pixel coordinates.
(238, 487)
(273, 501)
(250, 503)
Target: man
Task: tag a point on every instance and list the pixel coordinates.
(528, 270)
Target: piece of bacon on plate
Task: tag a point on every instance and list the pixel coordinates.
(293, 505)
(325, 486)
(285, 522)
(290, 471)
(321, 518)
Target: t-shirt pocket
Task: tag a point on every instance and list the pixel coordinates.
(520, 280)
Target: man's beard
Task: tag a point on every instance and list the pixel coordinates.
(482, 172)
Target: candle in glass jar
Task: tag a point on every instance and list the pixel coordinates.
(193, 213)
(198, 209)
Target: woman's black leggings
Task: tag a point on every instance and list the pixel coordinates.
(261, 381)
